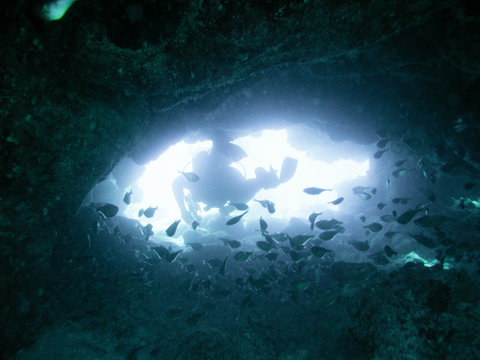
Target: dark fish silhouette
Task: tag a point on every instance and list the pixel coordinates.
(263, 224)
(431, 220)
(399, 172)
(312, 217)
(150, 212)
(327, 224)
(330, 234)
(364, 195)
(336, 201)
(360, 245)
(195, 224)
(242, 255)
(172, 228)
(223, 267)
(359, 189)
(429, 194)
(389, 251)
(108, 210)
(127, 199)
(379, 154)
(318, 251)
(382, 143)
(374, 227)
(195, 246)
(236, 219)
(267, 204)
(231, 243)
(314, 190)
(239, 206)
(407, 216)
(165, 254)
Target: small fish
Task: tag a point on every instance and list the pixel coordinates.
(327, 224)
(399, 200)
(379, 258)
(336, 201)
(172, 229)
(280, 237)
(329, 234)
(312, 217)
(424, 240)
(379, 154)
(165, 254)
(469, 186)
(298, 241)
(431, 220)
(319, 251)
(399, 172)
(108, 210)
(389, 251)
(390, 234)
(147, 231)
(380, 206)
(314, 190)
(272, 256)
(429, 194)
(222, 269)
(374, 227)
(265, 245)
(213, 263)
(400, 163)
(239, 206)
(195, 224)
(387, 218)
(263, 224)
(373, 191)
(363, 218)
(127, 199)
(233, 244)
(242, 255)
(364, 195)
(297, 256)
(360, 245)
(195, 246)
(360, 189)
(407, 216)
(267, 204)
(382, 143)
(236, 219)
(150, 212)
(190, 176)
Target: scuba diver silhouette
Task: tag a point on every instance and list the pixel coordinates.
(220, 183)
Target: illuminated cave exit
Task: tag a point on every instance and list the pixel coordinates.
(266, 148)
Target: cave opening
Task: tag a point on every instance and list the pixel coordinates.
(318, 161)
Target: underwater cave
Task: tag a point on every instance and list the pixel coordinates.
(240, 180)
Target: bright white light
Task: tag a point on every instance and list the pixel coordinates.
(265, 149)
(156, 184)
(270, 148)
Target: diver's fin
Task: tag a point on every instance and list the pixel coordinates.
(289, 167)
